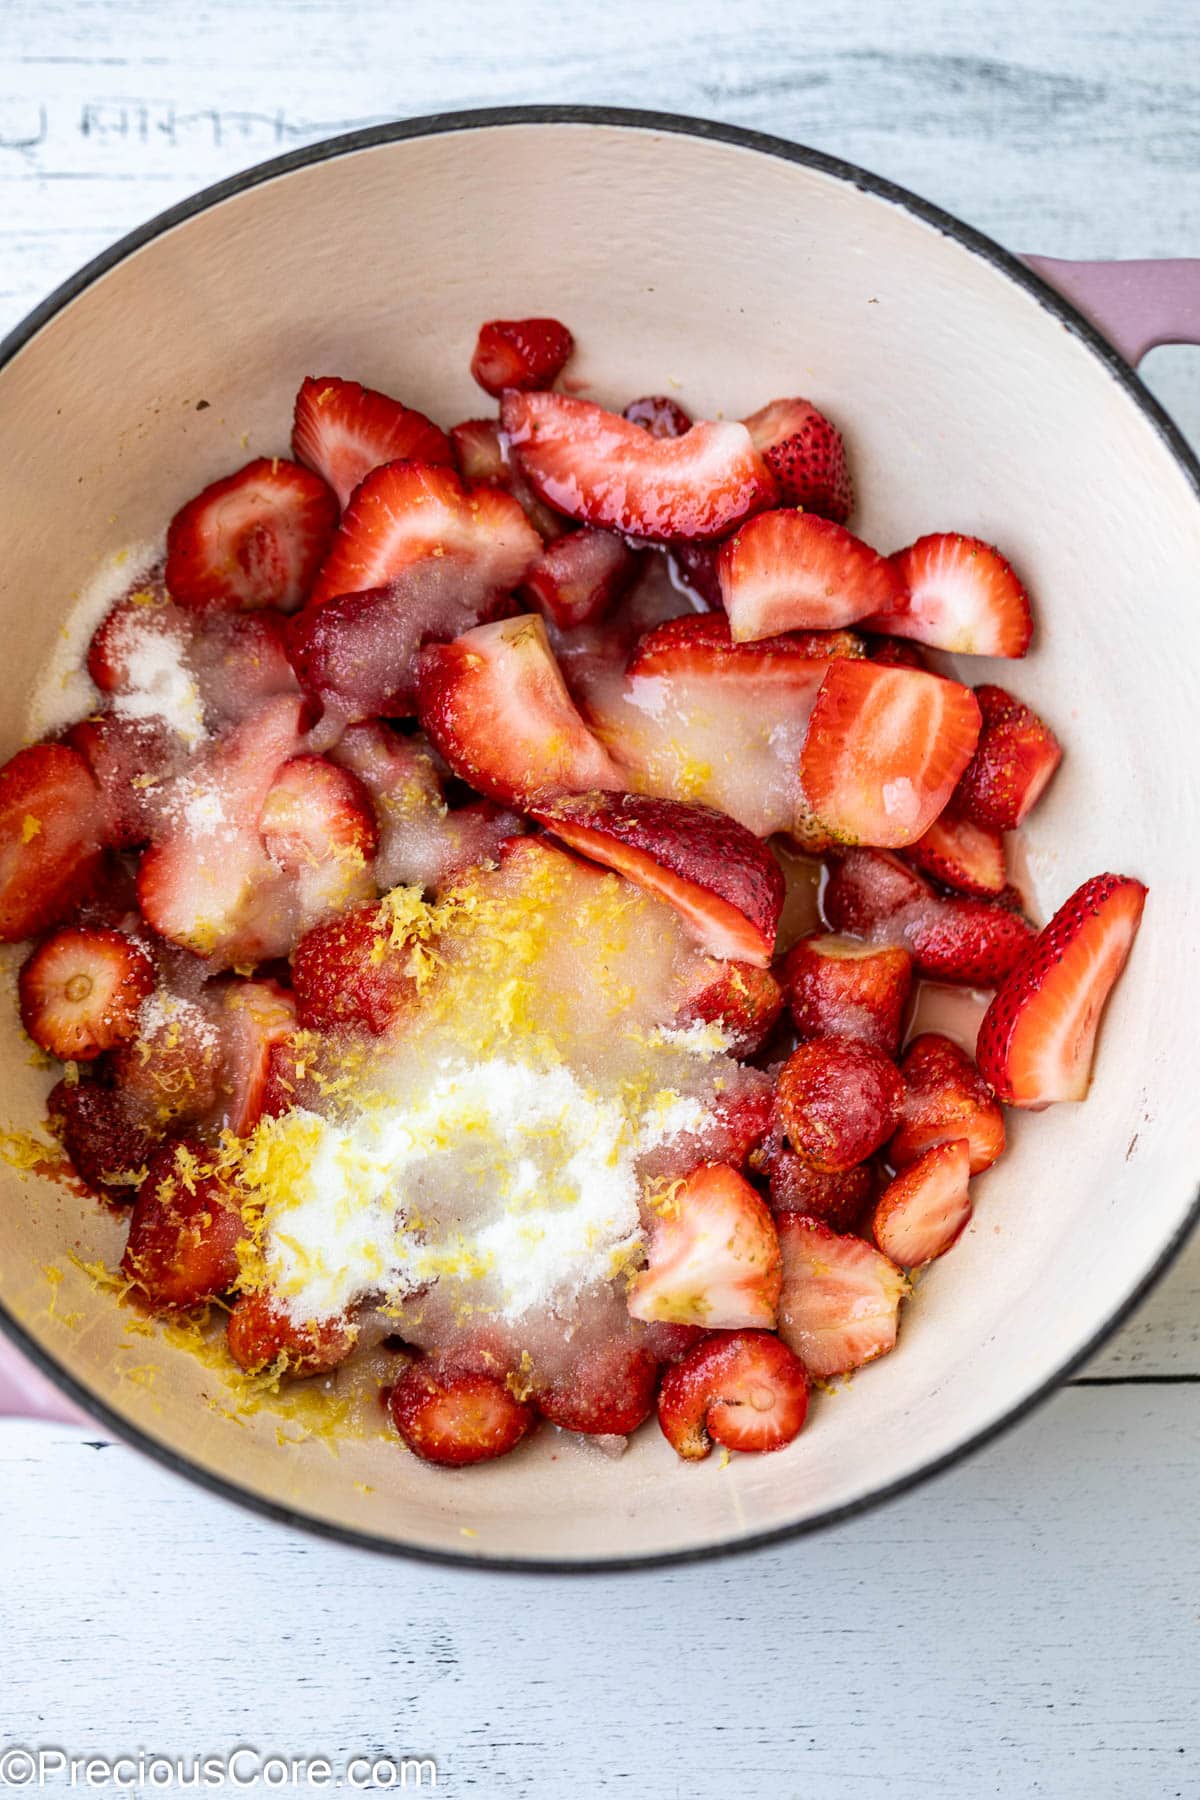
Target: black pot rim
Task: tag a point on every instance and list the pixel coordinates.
(979, 244)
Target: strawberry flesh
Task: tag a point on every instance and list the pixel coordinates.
(839, 1305)
(954, 937)
(805, 453)
(52, 825)
(744, 1390)
(958, 593)
(610, 1389)
(922, 1212)
(184, 1231)
(945, 1098)
(838, 1101)
(961, 854)
(259, 1018)
(520, 353)
(1016, 757)
(343, 431)
(741, 999)
(713, 1258)
(837, 987)
(457, 1417)
(261, 1335)
(257, 538)
(81, 989)
(347, 974)
(658, 414)
(792, 571)
(578, 579)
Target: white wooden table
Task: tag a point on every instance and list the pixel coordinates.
(1030, 1624)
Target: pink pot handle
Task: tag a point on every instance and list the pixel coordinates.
(1136, 305)
(25, 1393)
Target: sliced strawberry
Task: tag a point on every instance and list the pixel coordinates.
(962, 855)
(240, 661)
(922, 1212)
(348, 974)
(480, 455)
(170, 1073)
(742, 1389)
(600, 469)
(840, 1303)
(316, 811)
(945, 1098)
(837, 987)
(658, 414)
(1038, 1036)
(262, 1335)
(108, 1150)
(700, 644)
(495, 705)
(520, 353)
(132, 761)
(259, 1018)
(796, 1187)
(838, 1101)
(722, 880)
(579, 578)
(610, 1388)
(140, 645)
(958, 593)
(457, 1417)
(793, 571)
(950, 938)
(883, 751)
(343, 431)
(407, 512)
(185, 1230)
(81, 989)
(713, 1258)
(806, 455)
(743, 1000)
(1015, 759)
(895, 653)
(51, 828)
(257, 538)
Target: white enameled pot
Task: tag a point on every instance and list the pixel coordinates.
(728, 268)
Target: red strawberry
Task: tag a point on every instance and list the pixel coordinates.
(240, 661)
(671, 1343)
(1016, 756)
(495, 705)
(343, 431)
(579, 578)
(257, 538)
(131, 761)
(744, 1001)
(259, 1018)
(658, 414)
(796, 1187)
(700, 644)
(713, 1258)
(170, 1073)
(895, 653)
(520, 353)
(945, 1098)
(456, 1417)
(262, 1335)
(316, 812)
(133, 634)
(837, 987)
(185, 1230)
(741, 1389)
(347, 973)
(838, 1102)
(741, 1116)
(609, 1389)
(479, 453)
(961, 854)
(867, 888)
(790, 571)
(972, 941)
(1038, 1036)
(695, 565)
(884, 750)
(722, 880)
(598, 468)
(806, 455)
(284, 1086)
(108, 1150)
(921, 1213)
(958, 593)
(840, 1302)
(81, 989)
(51, 830)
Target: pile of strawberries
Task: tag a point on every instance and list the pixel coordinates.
(497, 591)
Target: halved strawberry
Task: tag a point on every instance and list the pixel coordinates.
(132, 761)
(579, 578)
(1038, 1036)
(742, 1389)
(343, 431)
(347, 973)
(240, 661)
(480, 454)
(407, 512)
(950, 937)
(837, 987)
(805, 453)
(838, 1101)
(945, 1098)
(81, 989)
(883, 751)
(600, 469)
(457, 1417)
(794, 571)
(140, 645)
(52, 825)
(658, 414)
(839, 1306)
(316, 811)
(722, 880)
(701, 644)
(185, 1230)
(520, 353)
(108, 1150)
(1016, 756)
(259, 1018)
(495, 704)
(743, 1000)
(713, 1257)
(609, 1388)
(922, 1212)
(257, 538)
(958, 593)
(261, 1334)
(796, 1187)
(961, 854)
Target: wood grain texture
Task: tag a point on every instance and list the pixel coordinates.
(1027, 1625)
